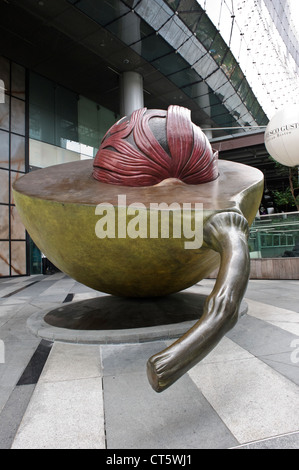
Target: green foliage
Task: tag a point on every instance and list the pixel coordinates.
(284, 199)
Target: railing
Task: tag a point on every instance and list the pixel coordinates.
(275, 236)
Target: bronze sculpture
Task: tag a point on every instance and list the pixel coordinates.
(151, 157)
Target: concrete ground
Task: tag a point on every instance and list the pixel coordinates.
(59, 394)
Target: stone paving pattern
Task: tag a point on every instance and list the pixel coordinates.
(63, 395)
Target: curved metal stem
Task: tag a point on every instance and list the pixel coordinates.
(226, 233)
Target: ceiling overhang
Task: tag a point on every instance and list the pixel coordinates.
(86, 47)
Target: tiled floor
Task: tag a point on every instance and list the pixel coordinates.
(69, 395)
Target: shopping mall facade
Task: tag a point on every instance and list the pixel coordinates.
(69, 69)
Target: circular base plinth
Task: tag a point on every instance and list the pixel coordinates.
(108, 319)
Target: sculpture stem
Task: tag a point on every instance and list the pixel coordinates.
(226, 233)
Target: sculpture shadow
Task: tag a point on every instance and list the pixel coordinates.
(116, 313)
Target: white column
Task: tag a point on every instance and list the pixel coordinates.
(203, 100)
(131, 93)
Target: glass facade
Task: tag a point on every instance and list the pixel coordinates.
(41, 124)
(13, 164)
(178, 38)
(63, 127)
(62, 119)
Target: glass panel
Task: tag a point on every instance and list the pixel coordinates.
(155, 13)
(18, 81)
(173, 3)
(18, 258)
(205, 31)
(17, 155)
(4, 185)
(93, 122)
(4, 226)
(4, 258)
(175, 32)
(275, 236)
(66, 116)
(17, 227)
(4, 149)
(5, 73)
(254, 107)
(4, 114)
(225, 91)
(233, 102)
(218, 49)
(17, 116)
(190, 12)
(170, 63)
(35, 258)
(225, 120)
(205, 66)
(216, 80)
(193, 90)
(152, 47)
(228, 64)
(42, 155)
(237, 77)
(184, 77)
(42, 106)
(107, 119)
(131, 3)
(192, 50)
(88, 114)
(14, 176)
(260, 116)
(250, 99)
(218, 110)
(108, 11)
(130, 28)
(243, 89)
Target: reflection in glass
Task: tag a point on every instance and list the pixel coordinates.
(192, 50)
(4, 114)
(14, 176)
(130, 28)
(218, 49)
(205, 66)
(155, 13)
(4, 149)
(4, 258)
(42, 109)
(4, 226)
(152, 47)
(17, 227)
(4, 185)
(170, 63)
(205, 31)
(5, 73)
(18, 81)
(18, 258)
(17, 116)
(17, 152)
(108, 11)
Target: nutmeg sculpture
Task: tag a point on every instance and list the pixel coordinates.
(153, 166)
